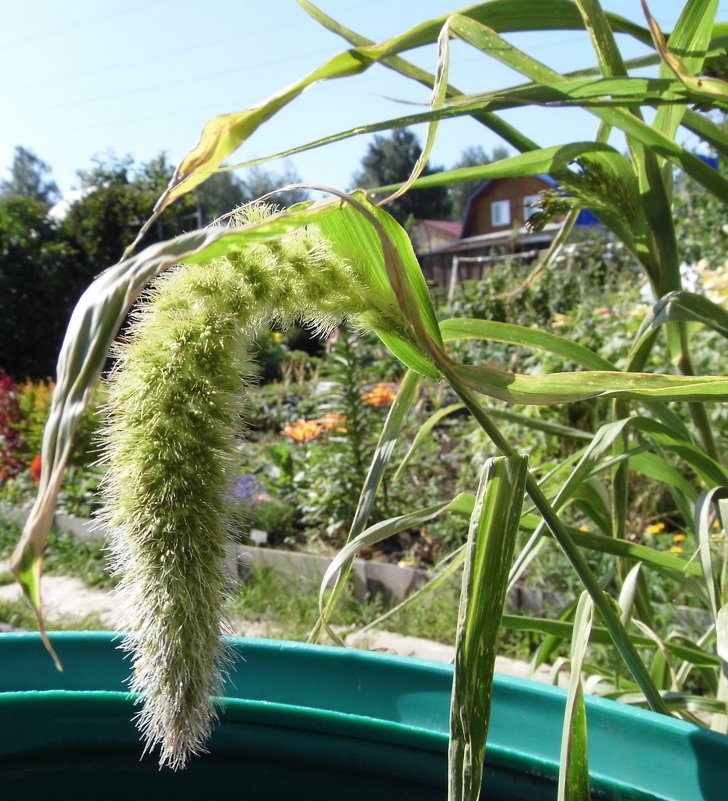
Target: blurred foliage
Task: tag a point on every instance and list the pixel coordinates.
(29, 178)
(42, 274)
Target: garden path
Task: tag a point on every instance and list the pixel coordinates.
(67, 599)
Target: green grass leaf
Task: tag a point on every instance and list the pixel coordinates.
(562, 630)
(489, 550)
(382, 455)
(424, 432)
(574, 760)
(531, 338)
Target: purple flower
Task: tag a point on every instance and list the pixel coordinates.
(248, 488)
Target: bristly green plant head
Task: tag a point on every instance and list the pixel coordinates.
(173, 415)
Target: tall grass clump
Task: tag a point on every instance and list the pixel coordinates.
(173, 409)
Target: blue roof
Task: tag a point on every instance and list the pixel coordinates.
(711, 161)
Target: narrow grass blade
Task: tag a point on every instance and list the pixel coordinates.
(400, 65)
(703, 522)
(709, 676)
(222, 135)
(491, 539)
(592, 498)
(720, 720)
(654, 466)
(550, 642)
(569, 92)
(439, 95)
(679, 702)
(600, 636)
(490, 42)
(666, 665)
(546, 426)
(340, 565)
(574, 761)
(445, 573)
(569, 387)
(465, 328)
(707, 130)
(424, 432)
(627, 549)
(603, 604)
(602, 36)
(505, 16)
(634, 551)
(691, 38)
(682, 306)
(709, 470)
(382, 455)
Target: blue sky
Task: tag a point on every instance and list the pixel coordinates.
(81, 77)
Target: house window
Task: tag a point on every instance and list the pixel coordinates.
(500, 213)
(530, 206)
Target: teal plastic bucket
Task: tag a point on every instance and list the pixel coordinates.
(310, 722)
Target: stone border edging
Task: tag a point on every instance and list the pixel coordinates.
(396, 582)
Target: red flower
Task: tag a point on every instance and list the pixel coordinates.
(35, 467)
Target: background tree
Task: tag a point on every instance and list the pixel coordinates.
(258, 182)
(119, 198)
(471, 157)
(41, 277)
(389, 160)
(225, 191)
(30, 177)
(46, 264)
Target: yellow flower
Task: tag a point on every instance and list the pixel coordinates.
(302, 431)
(678, 538)
(277, 337)
(584, 528)
(675, 549)
(379, 395)
(655, 528)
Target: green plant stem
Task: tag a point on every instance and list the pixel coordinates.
(611, 620)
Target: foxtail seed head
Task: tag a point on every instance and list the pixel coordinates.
(172, 422)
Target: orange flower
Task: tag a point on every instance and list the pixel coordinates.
(35, 467)
(678, 538)
(379, 395)
(333, 420)
(302, 431)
